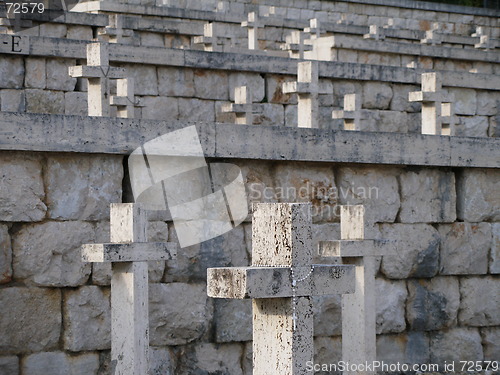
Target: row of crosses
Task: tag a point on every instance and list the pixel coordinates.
(281, 282)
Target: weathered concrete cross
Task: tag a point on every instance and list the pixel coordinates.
(374, 33)
(252, 24)
(432, 99)
(115, 32)
(359, 308)
(208, 39)
(128, 253)
(281, 282)
(124, 100)
(98, 72)
(295, 44)
(432, 36)
(351, 114)
(243, 107)
(307, 88)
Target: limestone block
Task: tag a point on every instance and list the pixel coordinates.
(255, 82)
(391, 298)
(259, 181)
(196, 110)
(217, 359)
(393, 121)
(247, 359)
(159, 108)
(9, 365)
(348, 56)
(175, 82)
(145, 79)
(457, 344)
(36, 76)
(79, 32)
(487, 103)
(375, 188)
(57, 75)
(31, 319)
(75, 103)
(274, 89)
(48, 254)
(491, 343)
(472, 126)
(479, 305)
(377, 95)
(494, 129)
(44, 101)
(495, 249)
(52, 30)
(327, 350)
(411, 348)
(325, 232)
(11, 72)
(5, 255)
(303, 182)
(291, 116)
(211, 84)
(432, 304)
(12, 100)
(465, 101)
(370, 58)
(59, 363)
(400, 99)
(465, 248)
(161, 361)
(152, 39)
(175, 320)
(233, 320)
(427, 196)
(327, 315)
(477, 195)
(272, 114)
(417, 251)
(21, 188)
(415, 123)
(341, 88)
(87, 319)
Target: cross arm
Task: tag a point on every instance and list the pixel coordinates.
(298, 88)
(242, 108)
(341, 114)
(276, 282)
(85, 71)
(356, 248)
(129, 252)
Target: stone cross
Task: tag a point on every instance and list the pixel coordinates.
(296, 44)
(390, 24)
(374, 33)
(252, 24)
(209, 38)
(98, 72)
(124, 100)
(243, 107)
(314, 29)
(115, 32)
(431, 98)
(128, 253)
(281, 282)
(351, 114)
(307, 88)
(359, 308)
(448, 119)
(484, 42)
(432, 36)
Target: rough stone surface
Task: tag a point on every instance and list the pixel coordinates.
(12, 100)
(53, 30)
(36, 76)
(44, 101)
(272, 115)
(432, 304)
(170, 322)
(211, 84)
(458, 344)
(472, 126)
(9, 365)
(48, 254)
(75, 103)
(21, 188)
(427, 196)
(411, 348)
(377, 189)
(480, 302)
(274, 89)
(162, 361)
(491, 343)
(5, 255)
(79, 32)
(59, 363)
(487, 103)
(465, 248)
(477, 195)
(327, 318)
(327, 350)
(495, 249)
(222, 359)
(254, 81)
(175, 82)
(377, 95)
(160, 108)
(56, 79)
(465, 101)
(30, 319)
(400, 100)
(145, 79)
(87, 319)
(196, 110)
(233, 320)
(417, 253)
(391, 297)
(11, 72)
(82, 187)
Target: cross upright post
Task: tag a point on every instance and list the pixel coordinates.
(281, 282)
(307, 88)
(431, 98)
(243, 107)
(314, 29)
(98, 72)
(351, 114)
(128, 253)
(252, 24)
(115, 32)
(359, 308)
(124, 100)
(209, 38)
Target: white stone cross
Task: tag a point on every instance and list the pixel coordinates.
(307, 88)
(128, 253)
(314, 29)
(448, 119)
(281, 282)
(296, 44)
(252, 24)
(359, 308)
(243, 107)
(124, 100)
(115, 32)
(484, 42)
(374, 33)
(432, 36)
(209, 38)
(98, 72)
(351, 114)
(390, 24)
(432, 98)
